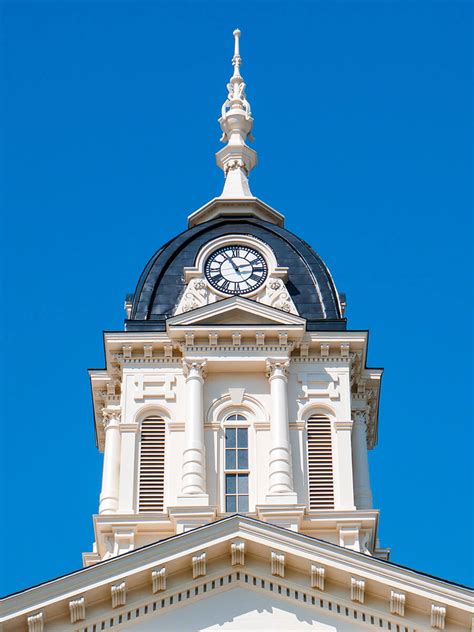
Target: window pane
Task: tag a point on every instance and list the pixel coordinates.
(230, 503)
(243, 480)
(243, 503)
(231, 417)
(243, 459)
(230, 462)
(230, 484)
(242, 439)
(230, 437)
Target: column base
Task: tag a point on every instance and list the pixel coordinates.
(108, 504)
(363, 499)
(193, 500)
(289, 498)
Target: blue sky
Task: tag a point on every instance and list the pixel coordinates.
(363, 127)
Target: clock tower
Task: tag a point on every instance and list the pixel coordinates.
(235, 413)
(236, 386)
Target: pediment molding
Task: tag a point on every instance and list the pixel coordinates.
(249, 313)
(300, 552)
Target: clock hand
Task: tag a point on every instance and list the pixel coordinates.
(233, 264)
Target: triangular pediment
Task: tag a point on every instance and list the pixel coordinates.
(236, 311)
(267, 571)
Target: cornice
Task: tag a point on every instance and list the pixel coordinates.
(314, 359)
(232, 349)
(140, 359)
(235, 207)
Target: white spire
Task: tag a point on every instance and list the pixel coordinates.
(236, 159)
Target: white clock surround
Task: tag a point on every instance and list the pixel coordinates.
(199, 291)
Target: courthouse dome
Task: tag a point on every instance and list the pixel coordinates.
(309, 283)
(163, 283)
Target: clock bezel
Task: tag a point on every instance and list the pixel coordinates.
(241, 246)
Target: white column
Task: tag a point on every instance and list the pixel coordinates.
(362, 490)
(194, 458)
(111, 467)
(280, 486)
(344, 483)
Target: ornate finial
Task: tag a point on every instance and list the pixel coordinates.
(236, 59)
(236, 159)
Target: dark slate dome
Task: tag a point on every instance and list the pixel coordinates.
(309, 284)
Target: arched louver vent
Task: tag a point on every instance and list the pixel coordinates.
(320, 469)
(152, 465)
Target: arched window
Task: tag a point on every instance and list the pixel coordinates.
(236, 466)
(320, 462)
(152, 465)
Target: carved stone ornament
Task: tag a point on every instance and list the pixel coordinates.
(194, 369)
(237, 163)
(317, 576)
(109, 415)
(77, 609)
(397, 603)
(36, 622)
(356, 365)
(199, 565)
(277, 369)
(118, 593)
(360, 416)
(438, 617)
(364, 543)
(196, 295)
(278, 564)
(238, 553)
(357, 589)
(277, 296)
(158, 579)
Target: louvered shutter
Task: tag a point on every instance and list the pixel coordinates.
(152, 465)
(320, 466)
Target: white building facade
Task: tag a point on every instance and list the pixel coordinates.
(235, 413)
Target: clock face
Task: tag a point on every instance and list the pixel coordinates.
(236, 269)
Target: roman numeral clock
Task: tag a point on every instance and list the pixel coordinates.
(236, 269)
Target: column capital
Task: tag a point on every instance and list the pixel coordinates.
(277, 368)
(110, 417)
(194, 369)
(360, 417)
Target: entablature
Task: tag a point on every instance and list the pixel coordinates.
(236, 348)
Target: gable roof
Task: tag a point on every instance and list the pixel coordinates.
(215, 539)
